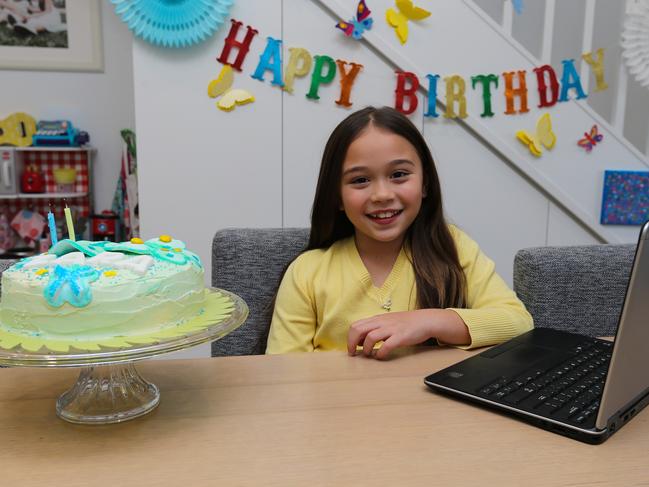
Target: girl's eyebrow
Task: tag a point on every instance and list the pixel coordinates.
(395, 162)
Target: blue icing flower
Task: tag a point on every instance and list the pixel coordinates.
(172, 251)
(163, 248)
(70, 284)
(194, 258)
(130, 247)
(173, 243)
(88, 248)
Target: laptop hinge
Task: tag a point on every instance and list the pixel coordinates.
(617, 420)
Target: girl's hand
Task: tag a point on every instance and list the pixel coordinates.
(407, 328)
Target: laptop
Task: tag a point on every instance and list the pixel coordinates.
(581, 387)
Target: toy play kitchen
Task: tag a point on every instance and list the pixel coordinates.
(8, 171)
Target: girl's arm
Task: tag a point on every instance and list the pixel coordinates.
(294, 321)
(493, 312)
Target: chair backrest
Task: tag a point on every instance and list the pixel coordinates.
(4, 265)
(249, 262)
(576, 288)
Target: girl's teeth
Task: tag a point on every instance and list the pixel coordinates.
(385, 215)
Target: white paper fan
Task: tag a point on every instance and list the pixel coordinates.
(635, 41)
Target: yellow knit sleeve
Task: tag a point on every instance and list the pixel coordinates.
(294, 319)
(493, 312)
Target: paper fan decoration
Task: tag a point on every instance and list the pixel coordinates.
(173, 23)
(635, 41)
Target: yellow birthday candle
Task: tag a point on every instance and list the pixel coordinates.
(68, 221)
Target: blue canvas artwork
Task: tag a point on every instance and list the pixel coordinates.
(625, 199)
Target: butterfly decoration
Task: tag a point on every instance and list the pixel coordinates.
(355, 27)
(542, 137)
(70, 284)
(518, 6)
(591, 139)
(399, 19)
(232, 97)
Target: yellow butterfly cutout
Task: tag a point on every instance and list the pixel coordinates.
(222, 85)
(399, 20)
(544, 136)
(233, 98)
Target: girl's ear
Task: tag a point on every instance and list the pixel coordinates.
(424, 193)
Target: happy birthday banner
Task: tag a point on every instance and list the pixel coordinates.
(323, 69)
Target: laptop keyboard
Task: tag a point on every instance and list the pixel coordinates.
(570, 391)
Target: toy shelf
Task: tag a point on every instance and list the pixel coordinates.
(21, 196)
(54, 148)
(46, 160)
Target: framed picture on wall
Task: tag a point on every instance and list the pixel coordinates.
(55, 35)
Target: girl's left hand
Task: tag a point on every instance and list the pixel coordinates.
(406, 328)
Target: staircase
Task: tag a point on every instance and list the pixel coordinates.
(467, 38)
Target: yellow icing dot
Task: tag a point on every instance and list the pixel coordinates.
(178, 249)
(136, 240)
(40, 272)
(165, 238)
(110, 273)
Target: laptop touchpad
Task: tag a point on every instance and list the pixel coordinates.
(522, 353)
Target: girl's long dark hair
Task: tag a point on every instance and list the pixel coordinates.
(440, 280)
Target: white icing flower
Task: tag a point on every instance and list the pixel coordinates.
(139, 265)
(71, 259)
(42, 260)
(106, 259)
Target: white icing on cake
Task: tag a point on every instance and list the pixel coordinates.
(126, 293)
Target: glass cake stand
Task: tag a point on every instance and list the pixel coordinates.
(109, 389)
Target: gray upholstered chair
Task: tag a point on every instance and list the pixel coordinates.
(249, 262)
(5, 264)
(577, 288)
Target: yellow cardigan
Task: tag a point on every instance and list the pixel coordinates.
(324, 291)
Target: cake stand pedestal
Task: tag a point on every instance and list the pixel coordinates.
(109, 389)
(108, 394)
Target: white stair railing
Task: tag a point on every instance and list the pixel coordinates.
(616, 125)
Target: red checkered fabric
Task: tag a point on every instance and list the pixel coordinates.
(78, 206)
(46, 162)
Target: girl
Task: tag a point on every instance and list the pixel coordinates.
(382, 264)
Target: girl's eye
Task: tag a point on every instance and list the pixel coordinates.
(359, 180)
(400, 174)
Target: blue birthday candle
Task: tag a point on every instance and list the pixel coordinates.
(52, 225)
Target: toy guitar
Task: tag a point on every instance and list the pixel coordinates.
(17, 129)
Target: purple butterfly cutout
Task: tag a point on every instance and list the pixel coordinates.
(355, 27)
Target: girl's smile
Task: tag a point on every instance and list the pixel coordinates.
(384, 217)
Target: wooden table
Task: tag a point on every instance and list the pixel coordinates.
(303, 419)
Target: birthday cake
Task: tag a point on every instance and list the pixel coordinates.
(91, 290)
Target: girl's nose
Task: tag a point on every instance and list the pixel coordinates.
(382, 192)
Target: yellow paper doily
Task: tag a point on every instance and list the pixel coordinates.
(218, 307)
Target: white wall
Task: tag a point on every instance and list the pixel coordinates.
(202, 169)
(99, 103)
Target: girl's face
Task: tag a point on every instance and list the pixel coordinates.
(381, 186)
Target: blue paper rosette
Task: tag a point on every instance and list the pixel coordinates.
(173, 23)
